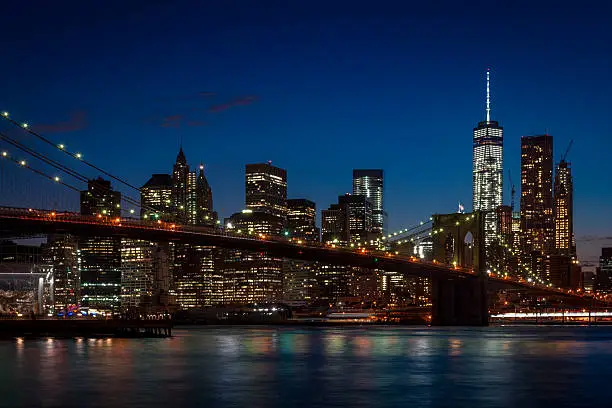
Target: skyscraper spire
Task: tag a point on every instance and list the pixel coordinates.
(488, 96)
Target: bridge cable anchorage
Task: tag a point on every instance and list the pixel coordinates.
(61, 148)
(61, 167)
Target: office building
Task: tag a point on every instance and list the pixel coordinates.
(194, 280)
(156, 198)
(100, 257)
(487, 169)
(504, 224)
(537, 221)
(257, 276)
(137, 275)
(301, 219)
(334, 227)
(369, 183)
(564, 210)
(197, 281)
(266, 189)
(180, 188)
(348, 221)
(358, 210)
(60, 258)
(299, 277)
(604, 272)
(100, 199)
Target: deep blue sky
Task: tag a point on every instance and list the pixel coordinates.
(322, 87)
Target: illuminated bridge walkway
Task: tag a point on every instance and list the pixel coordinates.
(461, 292)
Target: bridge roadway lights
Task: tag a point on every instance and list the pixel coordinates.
(459, 301)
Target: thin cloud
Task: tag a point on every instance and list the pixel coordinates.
(242, 101)
(196, 123)
(77, 121)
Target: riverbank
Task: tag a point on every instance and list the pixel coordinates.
(85, 328)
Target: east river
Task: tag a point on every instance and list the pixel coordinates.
(315, 367)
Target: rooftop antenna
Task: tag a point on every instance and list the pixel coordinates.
(488, 95)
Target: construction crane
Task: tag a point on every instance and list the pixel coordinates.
(512, 191)
(569, 146)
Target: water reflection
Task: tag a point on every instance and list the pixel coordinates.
(314, 367)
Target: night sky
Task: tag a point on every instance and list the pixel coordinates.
(319, 88)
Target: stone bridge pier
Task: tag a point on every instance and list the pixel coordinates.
(458, 239)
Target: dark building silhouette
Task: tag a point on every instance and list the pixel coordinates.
(604, 272)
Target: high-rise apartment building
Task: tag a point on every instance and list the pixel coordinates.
(487, 169)
(369, 183)
(301, 219)
(537, 221)
(156, 198)
(100, 257)
(564, 210)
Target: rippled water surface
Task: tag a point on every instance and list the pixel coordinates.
(312, 367)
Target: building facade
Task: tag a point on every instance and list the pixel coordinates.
(156, 198)
(537, 220)
(349, 221)
(564, 210)
(256, 276)
(100, 257)
(487, 170)
(61, 256)
(301, 219)
(604, 272)
(369, 183)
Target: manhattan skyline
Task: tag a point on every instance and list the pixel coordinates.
(251, 85)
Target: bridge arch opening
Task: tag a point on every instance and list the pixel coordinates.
(468, 250)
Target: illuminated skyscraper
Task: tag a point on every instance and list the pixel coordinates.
(564, 210)
(266, 189)
(196, 281)
(487, 169)
(60, 255)
(137, 275)
(100, 257)
(349, 221)
(156, 198)
(370, 184)
(537, 221)
(301, 219)
(180, 183)
(257, 276)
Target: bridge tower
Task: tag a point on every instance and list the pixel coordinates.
(459, 240)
